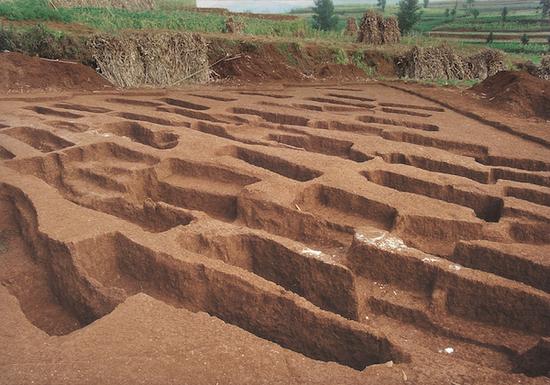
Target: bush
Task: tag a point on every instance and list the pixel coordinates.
(341, 57)
(40, 41)
(8, 39)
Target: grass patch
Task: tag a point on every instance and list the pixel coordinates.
(41, 41)
(340, 56)
(516, 47)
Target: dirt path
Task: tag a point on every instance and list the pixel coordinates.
(354, 225)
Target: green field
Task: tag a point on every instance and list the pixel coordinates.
(523, 16)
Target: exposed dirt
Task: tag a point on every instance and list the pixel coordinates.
(516, 92)
(309, 234)
(22, 73)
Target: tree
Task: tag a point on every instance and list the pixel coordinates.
(408, 15)
(475, 13)
(470, 3)
(453, 13)
(426, 3)
(490, 38)
(544, 8)
(504, 14)
(381, 4)
(447, 13)
(524, 39)
(323, 15)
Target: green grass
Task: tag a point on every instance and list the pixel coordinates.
(517, 47)
(494, 23)
(117, 19)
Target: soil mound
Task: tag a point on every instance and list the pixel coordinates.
(340, 71)
(24, 73)
(517, 92)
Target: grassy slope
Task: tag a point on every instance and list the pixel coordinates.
(172, 15)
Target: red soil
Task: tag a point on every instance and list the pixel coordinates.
(22, 73)
(314, 234)
(516, 92)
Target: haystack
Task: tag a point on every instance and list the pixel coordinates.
(370, 30)
(159, 59)
(543, 70)
(484, 64)
(134, 5)
(436, 63)
(232, 26)
(351, 27)
(375, 29)
(391, 33)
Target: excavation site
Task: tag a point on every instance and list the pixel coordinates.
(271, 226)
(288, 235)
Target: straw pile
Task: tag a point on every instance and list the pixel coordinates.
(134, 5)
(232, 26)
(436, 63)
(375, 29)
(391, 34)
(159, 59)
(543, 70)
(351, 27)
(484, 64)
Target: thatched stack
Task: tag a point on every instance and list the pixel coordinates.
(375, 29)
(351, 27)
(485, 63)
(370, 30)
(134, 5)
(160, 59)
(443, 63)
(391, 33)
(543, 70)
(232, 26)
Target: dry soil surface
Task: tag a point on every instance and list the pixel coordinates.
(315, 234)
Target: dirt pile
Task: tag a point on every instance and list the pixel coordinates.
(22, 73)
(340, 72)
(351, 27)
(374, 29)
(163, 59)
(443, 62)
(517, 92)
